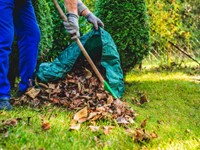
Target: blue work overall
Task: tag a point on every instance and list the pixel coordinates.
(18, 17)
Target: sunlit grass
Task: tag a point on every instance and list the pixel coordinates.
(173, 111)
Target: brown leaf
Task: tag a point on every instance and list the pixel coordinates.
(94, 128)
(122, 120)
(43, 85)
(143, 124)
(154, 135)
(101, 96)
(130, 120)
(88, 74)
(83, 113)
(138, 136)
(129, 131)
(82, 120)
(33, 92)
(72, 81)
(118, 103)
(74, 125)
(51, 86)
(92, 115)
(143, 99)
(110, 100)
(101, 109)
(46, 126)
(96, 117)
(108, 129)
(79, 87)
(11, 122)
(55, 100)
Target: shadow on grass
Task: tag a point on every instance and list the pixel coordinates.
(173, 107)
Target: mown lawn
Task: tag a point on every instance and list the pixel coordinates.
(173, 113)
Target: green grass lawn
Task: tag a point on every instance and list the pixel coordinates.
(173, 112)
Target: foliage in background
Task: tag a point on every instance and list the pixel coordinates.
(44, 18)
(127, 23)
(175, 21)
(191, 21)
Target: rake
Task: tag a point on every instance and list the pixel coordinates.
(106, 85)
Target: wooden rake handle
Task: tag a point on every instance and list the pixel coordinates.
(80, 44)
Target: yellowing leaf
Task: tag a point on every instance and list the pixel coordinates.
(83, 113)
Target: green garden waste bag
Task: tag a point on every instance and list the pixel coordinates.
(100, 46)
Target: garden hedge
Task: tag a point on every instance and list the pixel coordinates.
(126, 21)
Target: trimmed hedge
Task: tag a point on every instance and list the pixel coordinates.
(44, 18)
(126, 21)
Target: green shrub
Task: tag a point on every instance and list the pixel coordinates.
(126, 21)
(44, 18)
(61, 38)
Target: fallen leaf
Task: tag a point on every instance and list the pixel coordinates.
(92, 115)
(6, 134)
(74, 125)
(143, 124)
(138, 136)
(94, 128)
(110, 100)
(129, 131)
(101, 96)
(33, 92)
(46, 126)
(10, 122)
(101, 109)
(108, 129)
(122, 120)
(96, 117)
(83, 113)
(51, 86)
(82, 120)
(143, 99)
(187, 131)
(153, 135)
(43, 85)
(88, 74)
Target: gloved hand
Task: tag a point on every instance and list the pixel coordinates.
(72, 26)
(94, 20)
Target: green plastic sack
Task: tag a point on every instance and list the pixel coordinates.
(99, 45)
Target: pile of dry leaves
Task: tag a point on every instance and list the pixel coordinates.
(81, 91)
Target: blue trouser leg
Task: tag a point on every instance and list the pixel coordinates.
(28, 37)
(6, 39)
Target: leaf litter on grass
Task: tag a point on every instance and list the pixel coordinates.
(82, 92)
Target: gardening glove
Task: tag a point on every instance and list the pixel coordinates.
(94, 20)
(72, 26)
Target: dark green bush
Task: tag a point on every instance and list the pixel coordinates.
(44, 18)
(61, 39)
(126, 21)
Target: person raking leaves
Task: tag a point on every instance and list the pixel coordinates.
(18, 17)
